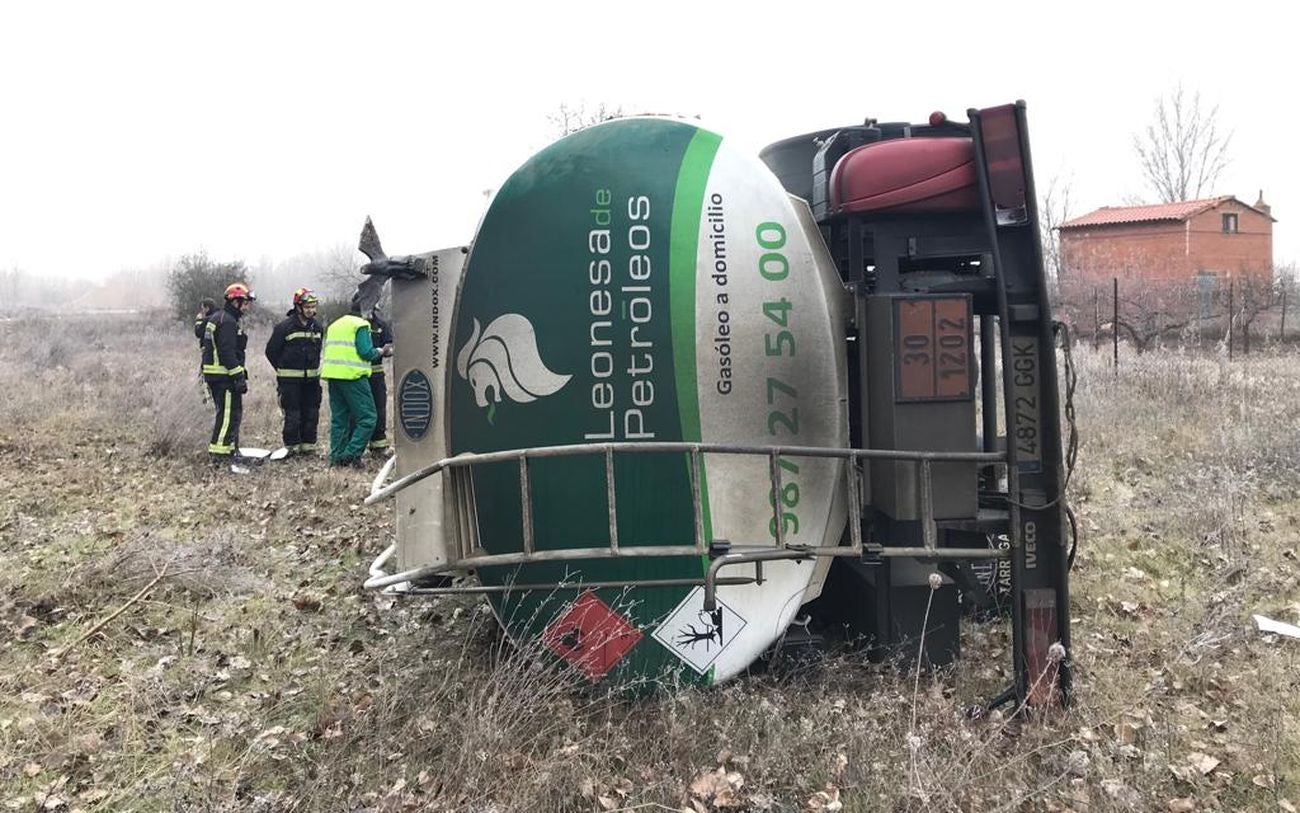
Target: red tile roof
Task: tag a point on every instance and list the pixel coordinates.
(1111, 215)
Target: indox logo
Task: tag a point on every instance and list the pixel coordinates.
(415, 404)
(505, 359)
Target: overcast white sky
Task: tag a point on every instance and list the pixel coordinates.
(137, 131)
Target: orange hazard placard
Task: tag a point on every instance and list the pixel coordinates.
(933, 348)
(591, 635)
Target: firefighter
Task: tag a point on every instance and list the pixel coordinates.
(346, 361)
(381, 335)
(223, 343)
(206, 308)
(294, 353)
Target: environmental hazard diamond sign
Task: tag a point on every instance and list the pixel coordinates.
(696, 635)
(591, 635)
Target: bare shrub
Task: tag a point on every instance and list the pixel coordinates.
(208, 566)
(495, 726)
(176, 411)
(135, 374)
(1158, 309)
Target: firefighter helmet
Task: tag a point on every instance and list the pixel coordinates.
(238, 290)
(304, 296)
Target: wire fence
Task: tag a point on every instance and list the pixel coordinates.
(1237, 315)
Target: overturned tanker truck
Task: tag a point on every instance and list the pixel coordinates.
(676, 405)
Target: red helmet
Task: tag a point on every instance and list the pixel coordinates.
(304, 296)
(238, 290)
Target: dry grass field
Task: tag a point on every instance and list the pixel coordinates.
(255, 674)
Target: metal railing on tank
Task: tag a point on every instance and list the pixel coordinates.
(722, 554)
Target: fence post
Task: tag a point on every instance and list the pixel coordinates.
(1245, 319)
(1114, 325)
(1096, 317)
(1245, 334)
(1232, 284)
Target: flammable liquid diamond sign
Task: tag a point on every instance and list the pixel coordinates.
(591, 635)
(696, 635)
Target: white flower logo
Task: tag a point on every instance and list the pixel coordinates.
(505, 359)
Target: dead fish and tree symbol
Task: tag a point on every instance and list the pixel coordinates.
(698, 636)
(709, 633)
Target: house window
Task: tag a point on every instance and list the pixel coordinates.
(1230, 224)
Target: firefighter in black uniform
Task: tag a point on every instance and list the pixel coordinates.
(381, 335)
(294, 352)
(206, 309)
(223, 343)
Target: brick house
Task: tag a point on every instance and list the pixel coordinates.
(1201, 241)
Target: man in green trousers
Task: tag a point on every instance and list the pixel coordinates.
(346, 360)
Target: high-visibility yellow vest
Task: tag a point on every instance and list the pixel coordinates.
(340, 360)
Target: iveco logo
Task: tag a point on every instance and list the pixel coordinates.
(415, 404)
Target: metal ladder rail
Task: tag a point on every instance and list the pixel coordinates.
(754, 553)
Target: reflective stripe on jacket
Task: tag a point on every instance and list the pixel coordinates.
(341, 359)
(294, 348)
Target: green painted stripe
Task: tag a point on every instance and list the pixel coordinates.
(688, 203)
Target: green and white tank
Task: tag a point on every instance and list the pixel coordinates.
(640, 280)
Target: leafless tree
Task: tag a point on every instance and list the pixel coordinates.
(10, 287)
(331, 272)
(1151, 312)
(571, 118)
(1182, 151)
(1053, 210)
(1288, 289)
(340, 269)
(1255, 297)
